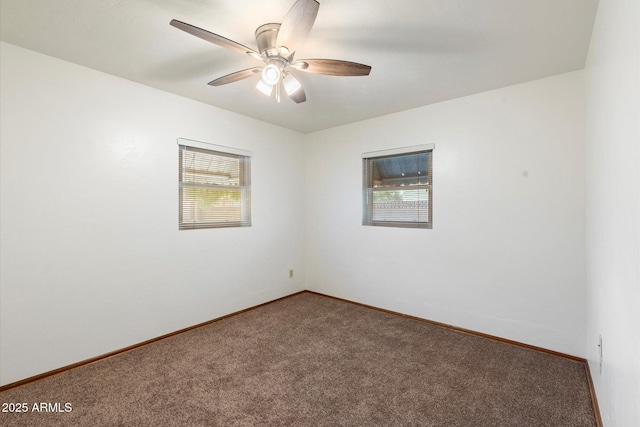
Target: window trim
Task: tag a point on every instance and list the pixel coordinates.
(214, 147)
(367, 191)
(400, 150)
(245, 172)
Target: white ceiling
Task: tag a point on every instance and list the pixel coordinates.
(421, 51)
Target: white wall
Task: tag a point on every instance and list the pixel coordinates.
(91, 256)
(613, 212)
(506, 252)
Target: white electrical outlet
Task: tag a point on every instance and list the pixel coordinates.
(291, 273)
(600, 351)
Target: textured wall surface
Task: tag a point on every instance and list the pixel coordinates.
(91, 256)
(613, 210)
(506, 252)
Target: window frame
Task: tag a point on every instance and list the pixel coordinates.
(244, 187)
(368, 188)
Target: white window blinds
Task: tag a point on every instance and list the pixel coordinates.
(214, 188)
(398, 188)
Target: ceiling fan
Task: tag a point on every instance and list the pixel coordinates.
(277, 44)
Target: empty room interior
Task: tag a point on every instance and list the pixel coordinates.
(468, 164)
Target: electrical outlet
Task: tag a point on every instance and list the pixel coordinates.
(291, 273)
(600, 351)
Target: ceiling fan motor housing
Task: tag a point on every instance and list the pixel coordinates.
(266, 37)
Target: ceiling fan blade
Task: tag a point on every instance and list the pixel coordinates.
(298, 96)
(214, 38)
(297, 24)
(332, 67)
(234, 77)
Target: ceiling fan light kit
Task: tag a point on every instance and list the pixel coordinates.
(291, 84)
(271, 74)
(265, 88)
(277, 44)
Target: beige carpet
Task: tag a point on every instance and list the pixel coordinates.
(310, 360)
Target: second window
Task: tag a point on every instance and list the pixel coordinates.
(398, 188)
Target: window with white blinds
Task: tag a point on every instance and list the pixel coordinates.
(214, 187)
(398, 187)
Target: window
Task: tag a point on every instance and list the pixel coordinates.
(214, 186)
(398, 187)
